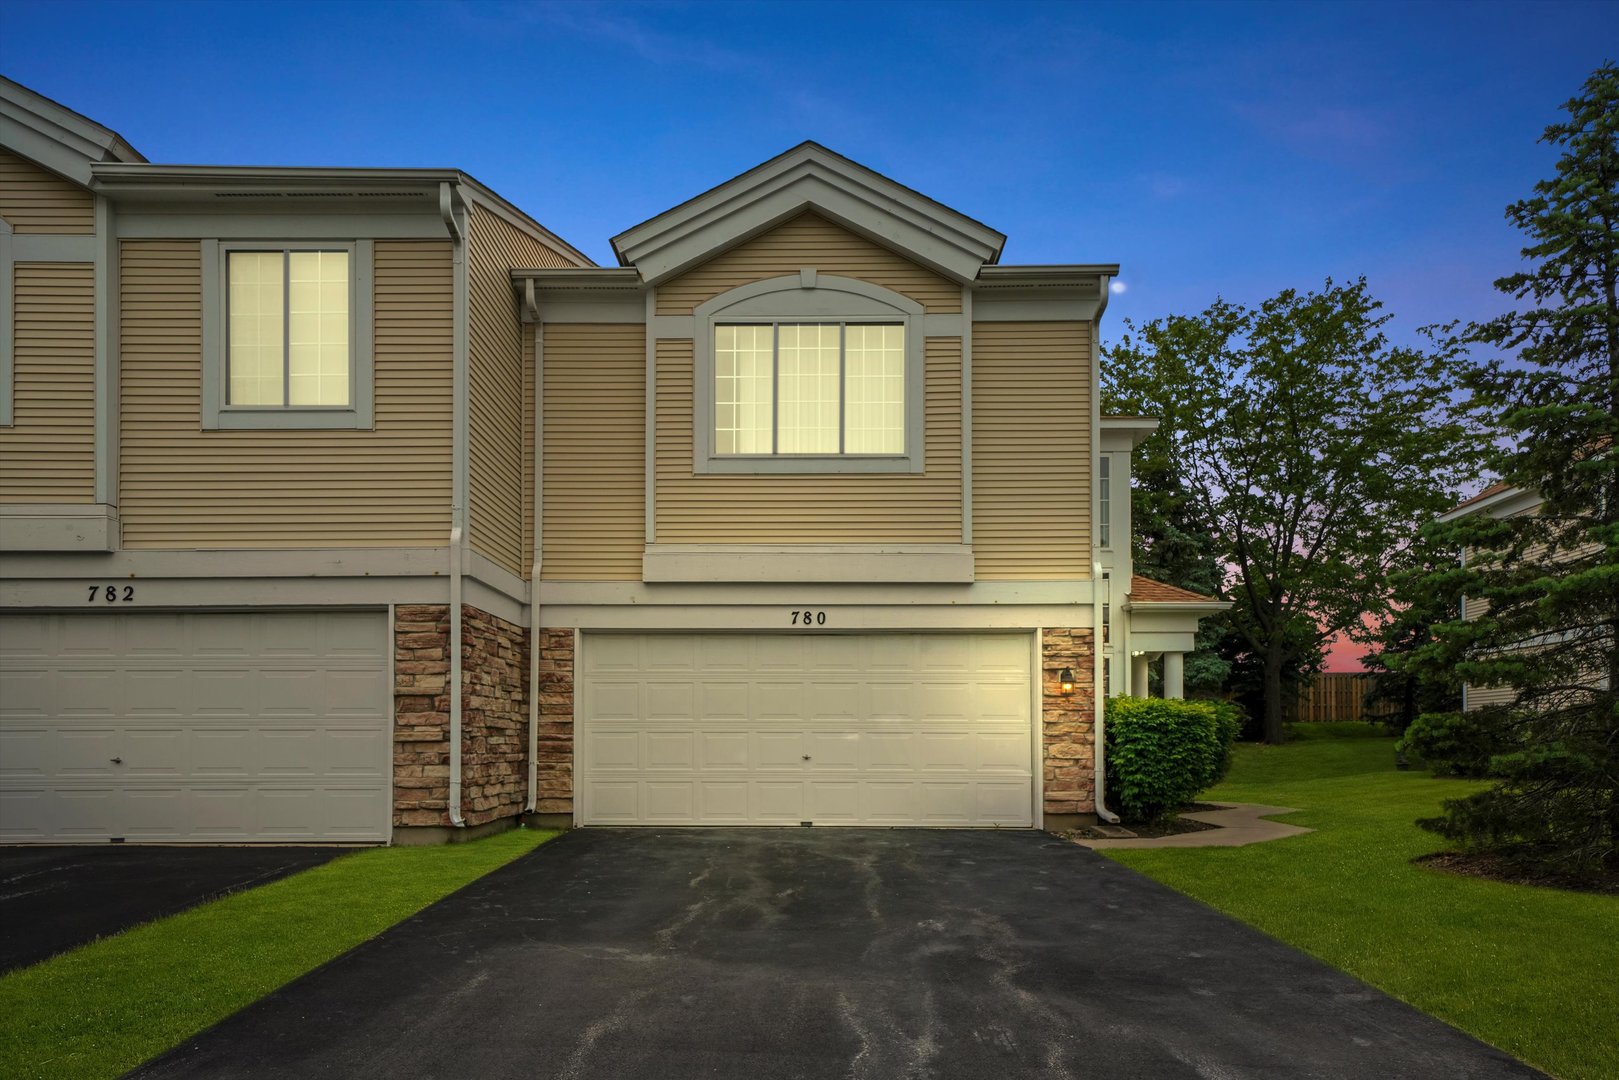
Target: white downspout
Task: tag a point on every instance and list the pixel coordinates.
(449, 199)
(534, 574)
(1098, 651)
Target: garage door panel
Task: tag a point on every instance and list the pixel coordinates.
(834, 750)
(778, 750)
(777, 700)
(888, 751)
(778, 801)
(723, 801)
(834, 700)
(615, 750)
(941, 751)
(616, 801)
(894, 729)
(723, 700)
(834, 802)
(616, 700)
(671, 700)
(723, 751)
(227, 726)
(667, 750)
(670, 800)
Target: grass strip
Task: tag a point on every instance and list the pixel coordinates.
(1533, 971)
(104, 1008)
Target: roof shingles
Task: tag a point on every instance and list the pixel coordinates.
(1144, 590)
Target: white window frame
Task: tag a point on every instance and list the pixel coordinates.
(806, 297)
(217, 412)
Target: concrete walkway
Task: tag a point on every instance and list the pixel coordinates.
(1239, 824)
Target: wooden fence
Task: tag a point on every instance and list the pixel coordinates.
(1334, 695)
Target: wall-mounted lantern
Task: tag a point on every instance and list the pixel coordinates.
(1066, 680)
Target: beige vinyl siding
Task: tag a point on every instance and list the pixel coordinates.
(49, 454)
(843, 508)
(496, 414)
(594, 457)
(35, 200)
(808, 240)
(182, 487)
(1031, 450)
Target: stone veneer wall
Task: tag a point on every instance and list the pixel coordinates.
(1068, 723)
(555, 754)
(494, 716)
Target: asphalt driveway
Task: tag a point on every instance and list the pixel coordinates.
(53, 899)
(729, 953)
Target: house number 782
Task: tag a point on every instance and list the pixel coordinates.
(111, 593)
(809, 618)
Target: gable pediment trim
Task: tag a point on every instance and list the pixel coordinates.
(809, 178)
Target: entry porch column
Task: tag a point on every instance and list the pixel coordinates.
(1174, 675)
(1140, 684)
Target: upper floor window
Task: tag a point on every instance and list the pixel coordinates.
(287, 331)
(288, 339)
(809, 388)
(808, 373)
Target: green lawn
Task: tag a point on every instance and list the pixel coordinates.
(103, 1009)
(1531, 970)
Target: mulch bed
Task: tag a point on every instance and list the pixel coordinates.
(1152, 831)
(1517, 872)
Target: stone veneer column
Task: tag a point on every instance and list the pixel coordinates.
(494, 717)
(1067, 724)
(555, 737)
(421, 780)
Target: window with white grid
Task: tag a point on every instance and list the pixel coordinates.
(786, 389)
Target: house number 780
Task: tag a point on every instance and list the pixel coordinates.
(809, 618)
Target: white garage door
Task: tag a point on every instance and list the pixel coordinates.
(199, 727)
(783, 729)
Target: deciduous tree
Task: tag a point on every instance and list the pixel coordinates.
(1311, 447)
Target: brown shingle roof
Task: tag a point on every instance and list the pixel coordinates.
(1144, 590)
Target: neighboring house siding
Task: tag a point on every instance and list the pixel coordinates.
(496, 438)
(34, 200)
(187, 488)
(920, 508)
(1031, 413)
(594, 515)
(49, 455)
(808, 240)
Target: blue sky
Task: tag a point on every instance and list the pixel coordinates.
(1231, 149)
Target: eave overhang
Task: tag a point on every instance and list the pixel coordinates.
(1134, 430)
(1506, 503)
(55, 136)
(809, 177)
(587, 288)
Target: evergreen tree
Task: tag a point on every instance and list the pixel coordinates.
(1551, 577)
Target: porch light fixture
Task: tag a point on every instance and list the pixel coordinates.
(1066, 680)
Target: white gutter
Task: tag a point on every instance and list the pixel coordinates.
(456, 225)
(1098, 650)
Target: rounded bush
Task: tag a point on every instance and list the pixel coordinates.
(1161, 752)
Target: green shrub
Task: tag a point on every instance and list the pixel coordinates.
(1161, 752)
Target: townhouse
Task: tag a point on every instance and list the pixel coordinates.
(355, 505)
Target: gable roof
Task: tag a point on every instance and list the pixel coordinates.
(55, 136)
(809, 176)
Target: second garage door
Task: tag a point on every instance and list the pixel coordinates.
(199, 727)
(789, 729)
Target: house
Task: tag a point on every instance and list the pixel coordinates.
(355, 505)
